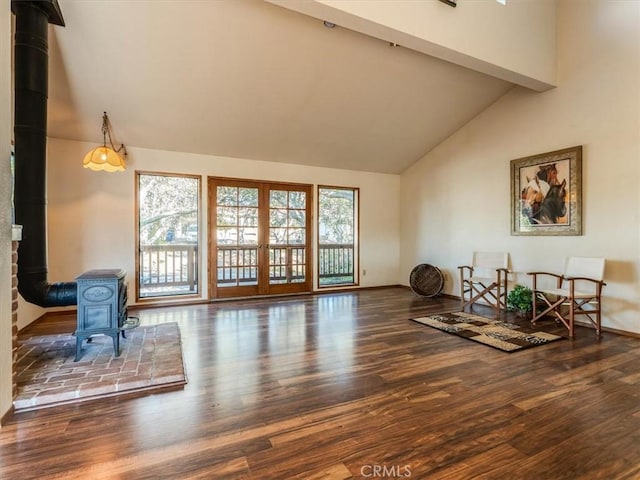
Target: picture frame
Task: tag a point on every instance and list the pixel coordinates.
(546, 193)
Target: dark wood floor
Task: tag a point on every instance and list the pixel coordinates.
(344, 386)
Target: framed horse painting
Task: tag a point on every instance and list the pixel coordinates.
(546, 193)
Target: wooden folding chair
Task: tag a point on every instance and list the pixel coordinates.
(485, 278)
(578, 292)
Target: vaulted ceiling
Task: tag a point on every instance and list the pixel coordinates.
(249, 79)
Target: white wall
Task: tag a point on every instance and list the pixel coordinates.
(6, 354)
(457, 198)
(515, 42)
(91, 214)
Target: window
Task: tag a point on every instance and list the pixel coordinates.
(337, 236)
(168, 234)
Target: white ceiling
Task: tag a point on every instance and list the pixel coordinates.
(248, 79)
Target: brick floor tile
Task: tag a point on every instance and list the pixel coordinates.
(124, 376)
(75, 381)
(130, 365)
(64, 377)
(56, 395)
(97, 388)
(134, 383)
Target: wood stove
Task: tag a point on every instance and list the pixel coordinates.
(102, 306)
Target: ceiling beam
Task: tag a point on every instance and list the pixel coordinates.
(515, 42)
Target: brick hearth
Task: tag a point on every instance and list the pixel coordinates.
(151, 357)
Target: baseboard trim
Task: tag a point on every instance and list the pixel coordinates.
(353, 288)
(144, 306)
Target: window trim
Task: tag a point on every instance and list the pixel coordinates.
(172, 297)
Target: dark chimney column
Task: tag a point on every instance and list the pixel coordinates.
(31, 92)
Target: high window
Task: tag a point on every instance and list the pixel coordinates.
(168, 236)
(337, 236)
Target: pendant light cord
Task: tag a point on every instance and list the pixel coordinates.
(106, 132)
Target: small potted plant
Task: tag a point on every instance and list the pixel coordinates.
(520, 300)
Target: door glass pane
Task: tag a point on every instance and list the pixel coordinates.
(227, 196)
(287, 232)
(297, 200)
(278, 236)
(248, 197)
(297, 218)
(296, 236)
(298, 265)
(278, 198)
(277, 217)
(248, 236)
(237, 236)
(277, 265)
(168, 237)
(227, 216)
(337, 227)
(248, 217)
(227, 235)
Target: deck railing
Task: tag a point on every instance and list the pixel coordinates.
(168, 269)
(173, 269)
(336, 263)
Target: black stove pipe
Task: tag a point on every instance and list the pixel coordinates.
(30, 135)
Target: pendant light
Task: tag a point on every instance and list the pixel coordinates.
(106, 158)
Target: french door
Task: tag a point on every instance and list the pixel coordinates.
(259, 238)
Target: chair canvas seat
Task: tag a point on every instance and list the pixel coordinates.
(583, 275)
(560, 292)
(485, 280)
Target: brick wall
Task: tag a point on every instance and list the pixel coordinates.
(14, 312)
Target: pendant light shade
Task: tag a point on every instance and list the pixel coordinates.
(105, 158)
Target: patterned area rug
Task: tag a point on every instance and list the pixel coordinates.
(507, 337)
(150, 358)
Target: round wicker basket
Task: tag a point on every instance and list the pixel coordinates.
(426, 280)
